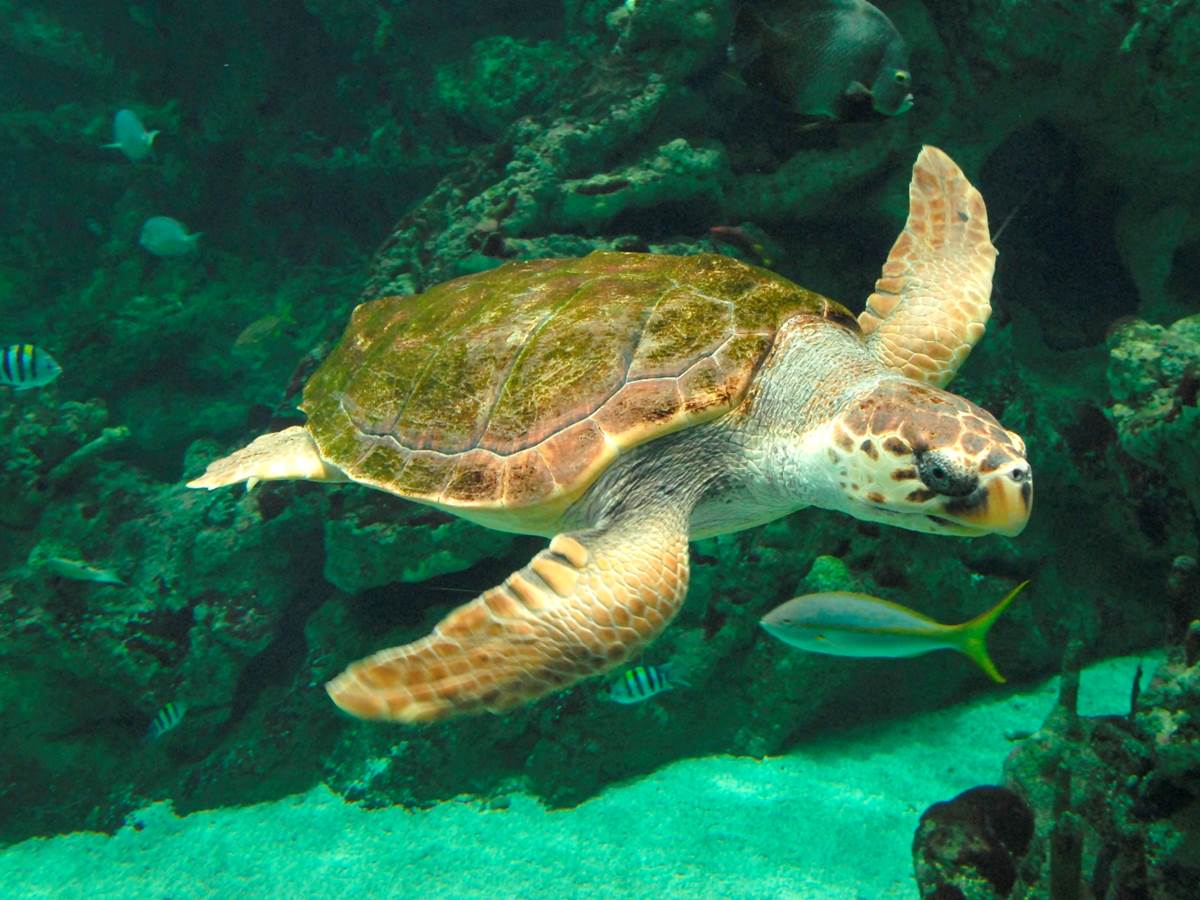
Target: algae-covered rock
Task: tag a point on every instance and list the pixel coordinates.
(1115, 800)
(502, 80)
(678, 35)
(377, 540)
(972, 844)
(1154, 377)
(200, 587)
(38, 33)
(39, 434)
(1128, 789)
(675, 172)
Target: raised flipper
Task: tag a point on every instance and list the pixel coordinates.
(584, 605)
(933, 299)
(281, 455)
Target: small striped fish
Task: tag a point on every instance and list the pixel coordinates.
(24, 366)
(166, 719)
(642, 683)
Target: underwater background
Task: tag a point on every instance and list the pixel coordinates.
(163, 650)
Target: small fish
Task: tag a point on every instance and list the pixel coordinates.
(642, 683)
(845, 624)
(77, 570)
(130, 136)
(257, 332)
(24, 366)
(825, 57)
(747, 238)
(164, 236)
(166, 719)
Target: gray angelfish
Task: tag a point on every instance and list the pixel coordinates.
(826, 57)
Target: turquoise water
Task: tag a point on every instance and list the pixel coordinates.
(714, 827)
(194, 200)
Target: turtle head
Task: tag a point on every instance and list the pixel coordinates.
(915, 456)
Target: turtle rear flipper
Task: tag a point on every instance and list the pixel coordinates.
(586, 604)
(284, 455)
(933, 299)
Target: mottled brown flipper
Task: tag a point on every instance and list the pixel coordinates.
(932, 301)
(582, 606)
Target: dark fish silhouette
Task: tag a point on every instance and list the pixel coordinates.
(825, 57)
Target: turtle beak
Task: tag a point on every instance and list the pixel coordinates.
(1001, 505)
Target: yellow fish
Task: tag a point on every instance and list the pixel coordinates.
(845, 624)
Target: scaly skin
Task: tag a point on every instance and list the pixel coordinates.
(587, 603)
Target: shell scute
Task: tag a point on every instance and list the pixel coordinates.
(683, 327)
(651, 404)
(527, 478)
(580, 351)
(740, 356)
(706, 384)
(574, 451)
(425, 473)
(478, 477)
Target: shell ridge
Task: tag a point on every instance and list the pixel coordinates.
(486, 419)
(520, 355)
(422, 375)
(699, 359)
(691, 289)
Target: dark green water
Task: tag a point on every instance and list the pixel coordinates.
(331, 152)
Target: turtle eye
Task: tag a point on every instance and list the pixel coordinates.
(943, 475)
(901, 76)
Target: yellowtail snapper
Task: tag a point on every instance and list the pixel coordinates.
(166, 719)
(24, 366)
(642, 683)
(845, 624)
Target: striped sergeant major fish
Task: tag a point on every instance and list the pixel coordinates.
(24, 366)
(166, 719)
(642, 683)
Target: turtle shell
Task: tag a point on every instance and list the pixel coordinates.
(503, 395)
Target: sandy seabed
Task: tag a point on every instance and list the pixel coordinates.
(831, 820)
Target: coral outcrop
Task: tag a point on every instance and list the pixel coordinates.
(1104, 806)
(1154, 377)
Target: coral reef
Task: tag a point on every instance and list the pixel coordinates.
(314, 142)
(372, 541)
(974, 841)
(1091, 806)
(502, 80)
(144, 595)
(1154, 376)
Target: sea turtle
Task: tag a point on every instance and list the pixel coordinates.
(623, 404)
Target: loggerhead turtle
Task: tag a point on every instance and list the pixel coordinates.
(623, 404)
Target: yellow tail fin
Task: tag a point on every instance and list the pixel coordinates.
(973, 640)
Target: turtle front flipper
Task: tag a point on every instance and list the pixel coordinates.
(933, 299)
(290, 454)
(584, 605)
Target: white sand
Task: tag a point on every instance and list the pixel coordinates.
(831, 820)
